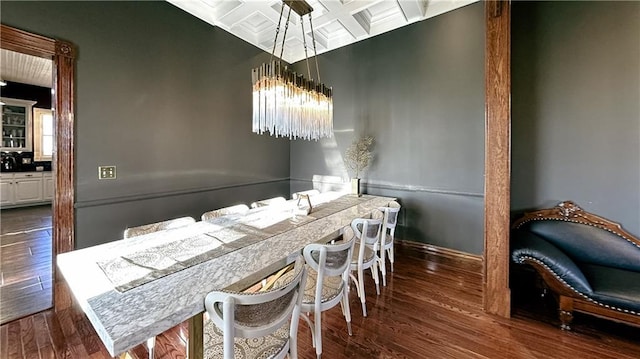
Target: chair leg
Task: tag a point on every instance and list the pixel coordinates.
(151, 344)
(565, 312)
(311, 327)
(391, 256)
(344, 303)
(293, 345)
(383, 266)
(361, 291)
(317, 319)
(374, 274)
(355, 282)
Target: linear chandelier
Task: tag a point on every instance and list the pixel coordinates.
(285, 104)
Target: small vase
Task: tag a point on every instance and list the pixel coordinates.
(355, 186)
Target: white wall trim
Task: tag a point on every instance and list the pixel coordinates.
(148, 196)
(399, 187)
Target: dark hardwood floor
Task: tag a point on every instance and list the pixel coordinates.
(431, 308)
(25, 262)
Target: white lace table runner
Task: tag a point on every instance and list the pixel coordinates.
(167, 252)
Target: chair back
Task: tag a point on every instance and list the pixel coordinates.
(158, 226)
(367, 230)
(269, 202)
(390, 217)
(251, 315)
(237, 209)
(329, 259)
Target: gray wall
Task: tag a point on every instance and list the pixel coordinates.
(419, 91)
(576, 107)
(166, 98)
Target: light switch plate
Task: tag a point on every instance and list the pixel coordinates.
(106, 172)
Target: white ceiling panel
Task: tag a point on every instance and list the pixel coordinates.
(336, 23)
(26, 69)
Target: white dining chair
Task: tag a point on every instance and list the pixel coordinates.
(255, 325)
(327, 284)
(275, 201)
(150, 228)
(386, 244)
(158, 226)
(367, 232)
(237, 209)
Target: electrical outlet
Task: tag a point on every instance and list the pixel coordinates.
(106, 172)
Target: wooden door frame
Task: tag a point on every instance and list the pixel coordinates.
(497, 185)
(63, 55)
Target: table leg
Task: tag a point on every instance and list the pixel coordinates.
(195, 347)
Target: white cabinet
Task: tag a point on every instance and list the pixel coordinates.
(6, 190)
(17, 130)
(47, 186)
(25, 188)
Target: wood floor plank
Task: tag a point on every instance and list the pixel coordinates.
(140, 352)
(28, 337)
(46, 352)
(58, 340)
(4, 341)
(18, 253)
(11, 240)
(43, 339)
(72, 338)
(11, 277)
(174, 341)
(87, 334)
(14, 340)
(23, 237)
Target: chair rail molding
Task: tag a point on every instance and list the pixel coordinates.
(398, 187)
(147, 196)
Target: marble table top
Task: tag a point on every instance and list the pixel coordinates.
(126, 319)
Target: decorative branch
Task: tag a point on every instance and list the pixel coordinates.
(358, 155)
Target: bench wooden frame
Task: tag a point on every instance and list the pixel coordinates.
(569, 299)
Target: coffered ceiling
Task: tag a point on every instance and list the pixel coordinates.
(336, 23)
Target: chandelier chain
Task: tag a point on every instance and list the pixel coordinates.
(286, 27)
(304, 43)
(275, 41)
(315, 53)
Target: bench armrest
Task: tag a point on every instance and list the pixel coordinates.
(528, 246)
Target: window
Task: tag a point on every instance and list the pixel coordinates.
(43, 134)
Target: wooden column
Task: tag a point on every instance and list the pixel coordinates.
(497, 297)
(63, 211)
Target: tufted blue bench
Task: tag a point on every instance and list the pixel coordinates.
(591, 264)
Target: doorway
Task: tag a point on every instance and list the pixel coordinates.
(63, 56)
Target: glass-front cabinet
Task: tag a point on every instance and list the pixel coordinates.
(17, 130)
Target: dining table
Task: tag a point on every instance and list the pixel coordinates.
(135, 288)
